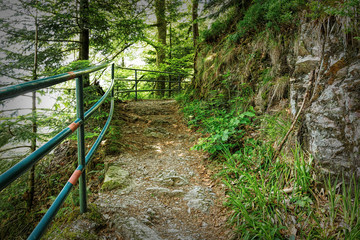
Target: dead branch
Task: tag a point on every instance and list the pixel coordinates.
(278, 150)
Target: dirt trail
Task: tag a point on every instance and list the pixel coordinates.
(169, 194)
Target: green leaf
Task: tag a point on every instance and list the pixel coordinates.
(225, 135)
(249, 114)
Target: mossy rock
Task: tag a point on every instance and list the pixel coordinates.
(116, 178)
(73, 225)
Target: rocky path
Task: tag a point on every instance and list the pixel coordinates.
(157, 188)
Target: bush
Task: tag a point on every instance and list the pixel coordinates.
(269, 15)
(223, 128)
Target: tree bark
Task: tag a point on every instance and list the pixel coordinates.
(31, 180)
(84, 35)
(195, 27)
(160, 51)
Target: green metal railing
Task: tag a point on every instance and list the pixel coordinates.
(171, 78)
(79, 174)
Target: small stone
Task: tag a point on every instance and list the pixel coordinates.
(177, 193)
(171, 178)
(158, 190)
(204, 224)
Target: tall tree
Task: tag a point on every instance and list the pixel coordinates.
(31, 181)
(179, 49)
(27, 59)
(161, 33)
(84, 30)
(195, 28)
(84, 37)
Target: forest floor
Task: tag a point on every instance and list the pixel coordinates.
(167, 191)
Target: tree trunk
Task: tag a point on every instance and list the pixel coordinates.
(170, 57)
(84, 35)
(195, 27)
(160, 51)
(31, 179)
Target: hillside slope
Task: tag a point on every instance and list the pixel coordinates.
(269, 66)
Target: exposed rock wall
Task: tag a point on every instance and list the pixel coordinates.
(331, 122)
(331, 125)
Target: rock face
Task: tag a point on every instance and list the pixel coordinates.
(331, 126)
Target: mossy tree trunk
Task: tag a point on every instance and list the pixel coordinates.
(160, 51)
(31, 179)
(84, 35)
(195, 27)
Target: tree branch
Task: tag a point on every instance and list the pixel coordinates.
(15, 78)
(123, 49)
(60, 40)
(154, 45)
(278, 150)
(12, 148)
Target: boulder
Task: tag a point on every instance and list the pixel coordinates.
(133, 229)
(199, 198)
(116, 178)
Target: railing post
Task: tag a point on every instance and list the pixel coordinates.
(136, 85)
(81, 141)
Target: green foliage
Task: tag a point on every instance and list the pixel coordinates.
(250, 17)
(14, 215)
(269, 15)
(351, 208)
(254, 191)
(223, 129)
(273, 16)
(179, 49)
(218, 29)
(344, 11)
(74, 65)
(325, 8)
(62, 226)
(113, 136)
(266, 197)
(302, 169)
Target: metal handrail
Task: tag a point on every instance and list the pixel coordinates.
(19, 89)
(137, 80)
(79, 174)
(144, 80)
(144, 70)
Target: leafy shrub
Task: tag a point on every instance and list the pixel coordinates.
(268, 197)
(270, 15)
(219, 27)
(223, 128)
(225, 131)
